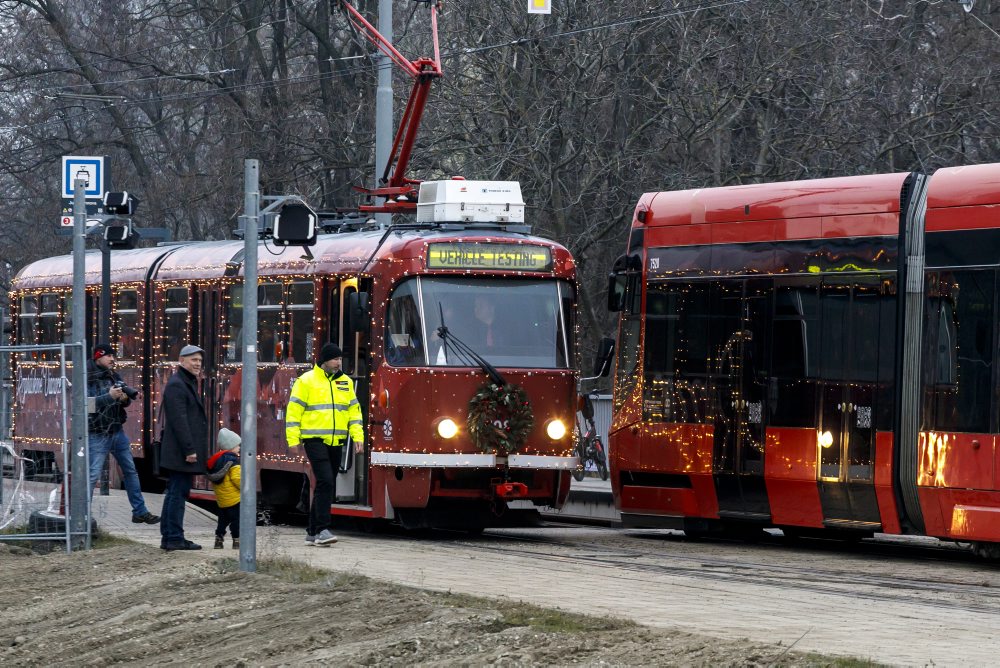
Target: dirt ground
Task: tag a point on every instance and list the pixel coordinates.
(125, 603)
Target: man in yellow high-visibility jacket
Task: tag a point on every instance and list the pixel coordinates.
(322, 411)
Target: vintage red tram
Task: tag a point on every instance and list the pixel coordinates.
(506, 298)
(819, 356)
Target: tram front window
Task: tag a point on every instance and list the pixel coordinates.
(510, 323)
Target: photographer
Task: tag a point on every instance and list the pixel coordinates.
(104, 428)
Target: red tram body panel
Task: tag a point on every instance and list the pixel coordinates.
(819, 356)
(406, 377)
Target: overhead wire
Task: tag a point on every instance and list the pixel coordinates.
(297, 80)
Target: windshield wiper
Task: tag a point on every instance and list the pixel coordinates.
(464, 353)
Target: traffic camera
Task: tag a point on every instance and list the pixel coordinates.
(120, 204)
(294, 224)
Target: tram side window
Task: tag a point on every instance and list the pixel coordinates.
(962, 323)
(26, 320)
(268, 321)
(404, 345)
(174, 327)
(48, 323)
(300, 319)
(127, 324)
(627, 354)
(234, 324)
(794, 356)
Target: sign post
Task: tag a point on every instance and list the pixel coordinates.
(79, 484)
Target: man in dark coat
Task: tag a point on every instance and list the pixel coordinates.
(184, 451)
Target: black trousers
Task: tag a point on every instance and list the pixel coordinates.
(228, 517)
(325, 462)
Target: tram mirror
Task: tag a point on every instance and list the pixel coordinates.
(357, 304)
(616, 292)
(602, 361)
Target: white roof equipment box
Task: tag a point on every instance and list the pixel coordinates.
(460, 201)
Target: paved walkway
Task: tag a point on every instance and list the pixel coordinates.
(677, 591)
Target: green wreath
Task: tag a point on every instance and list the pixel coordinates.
(500, 418)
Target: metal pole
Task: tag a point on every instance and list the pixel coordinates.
(383, 105)
(79, 482)
(248, 414)
(105, 335)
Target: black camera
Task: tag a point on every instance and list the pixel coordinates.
(130, 392)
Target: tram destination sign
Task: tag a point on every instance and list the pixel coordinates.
(500, 257)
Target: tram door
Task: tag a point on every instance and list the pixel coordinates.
(855, 325)
(352, 483)
(207, 303)
(740, 313)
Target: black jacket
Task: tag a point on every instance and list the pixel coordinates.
(109, 415)
(186, 429)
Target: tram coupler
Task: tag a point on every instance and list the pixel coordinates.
(510, 490)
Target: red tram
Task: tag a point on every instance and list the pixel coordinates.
(819, 356)
(506, 298)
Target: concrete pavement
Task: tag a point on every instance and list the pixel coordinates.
(846, 619)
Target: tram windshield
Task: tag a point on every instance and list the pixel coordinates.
(510, 323)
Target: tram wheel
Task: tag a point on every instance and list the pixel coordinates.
(987, 551)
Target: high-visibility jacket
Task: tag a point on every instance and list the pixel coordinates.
(323, 407)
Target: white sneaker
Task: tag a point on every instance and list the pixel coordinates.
(325, 538)
(310, 540)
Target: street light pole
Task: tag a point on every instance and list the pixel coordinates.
(104, 335)
(248, 404)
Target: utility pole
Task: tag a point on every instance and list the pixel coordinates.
(383, 105)
(79, 483)
(104, 335)
(248, 410)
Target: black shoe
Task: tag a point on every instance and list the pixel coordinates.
(146, 518)
(186, 545)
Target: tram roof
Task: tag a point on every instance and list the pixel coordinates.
(126, 266)
(971, 185)
(816, 198)
(342, 253)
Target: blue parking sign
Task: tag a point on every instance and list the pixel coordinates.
(88, 168)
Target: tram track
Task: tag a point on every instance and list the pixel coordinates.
(840, 582)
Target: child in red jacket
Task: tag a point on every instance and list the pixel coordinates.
(224, 474)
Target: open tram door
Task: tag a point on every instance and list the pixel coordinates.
(350, 328)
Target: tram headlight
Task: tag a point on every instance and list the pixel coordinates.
(556, 429)
(446, 428)
(825, 439)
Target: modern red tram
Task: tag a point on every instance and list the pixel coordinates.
(506, 298)
(819, 356)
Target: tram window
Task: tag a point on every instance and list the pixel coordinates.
(661, 330)
(694, 311)
(796, 330)
(234, 324)
(404, 339)
(349, 334)
(967, 405)
(300, 319)
(48, 323)
(269, 294)
(127, 324)
(333, 321)
(567, 325)
(268, 321)
(174, 327)
(268, 333)
(794, 350)
(26, 320)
